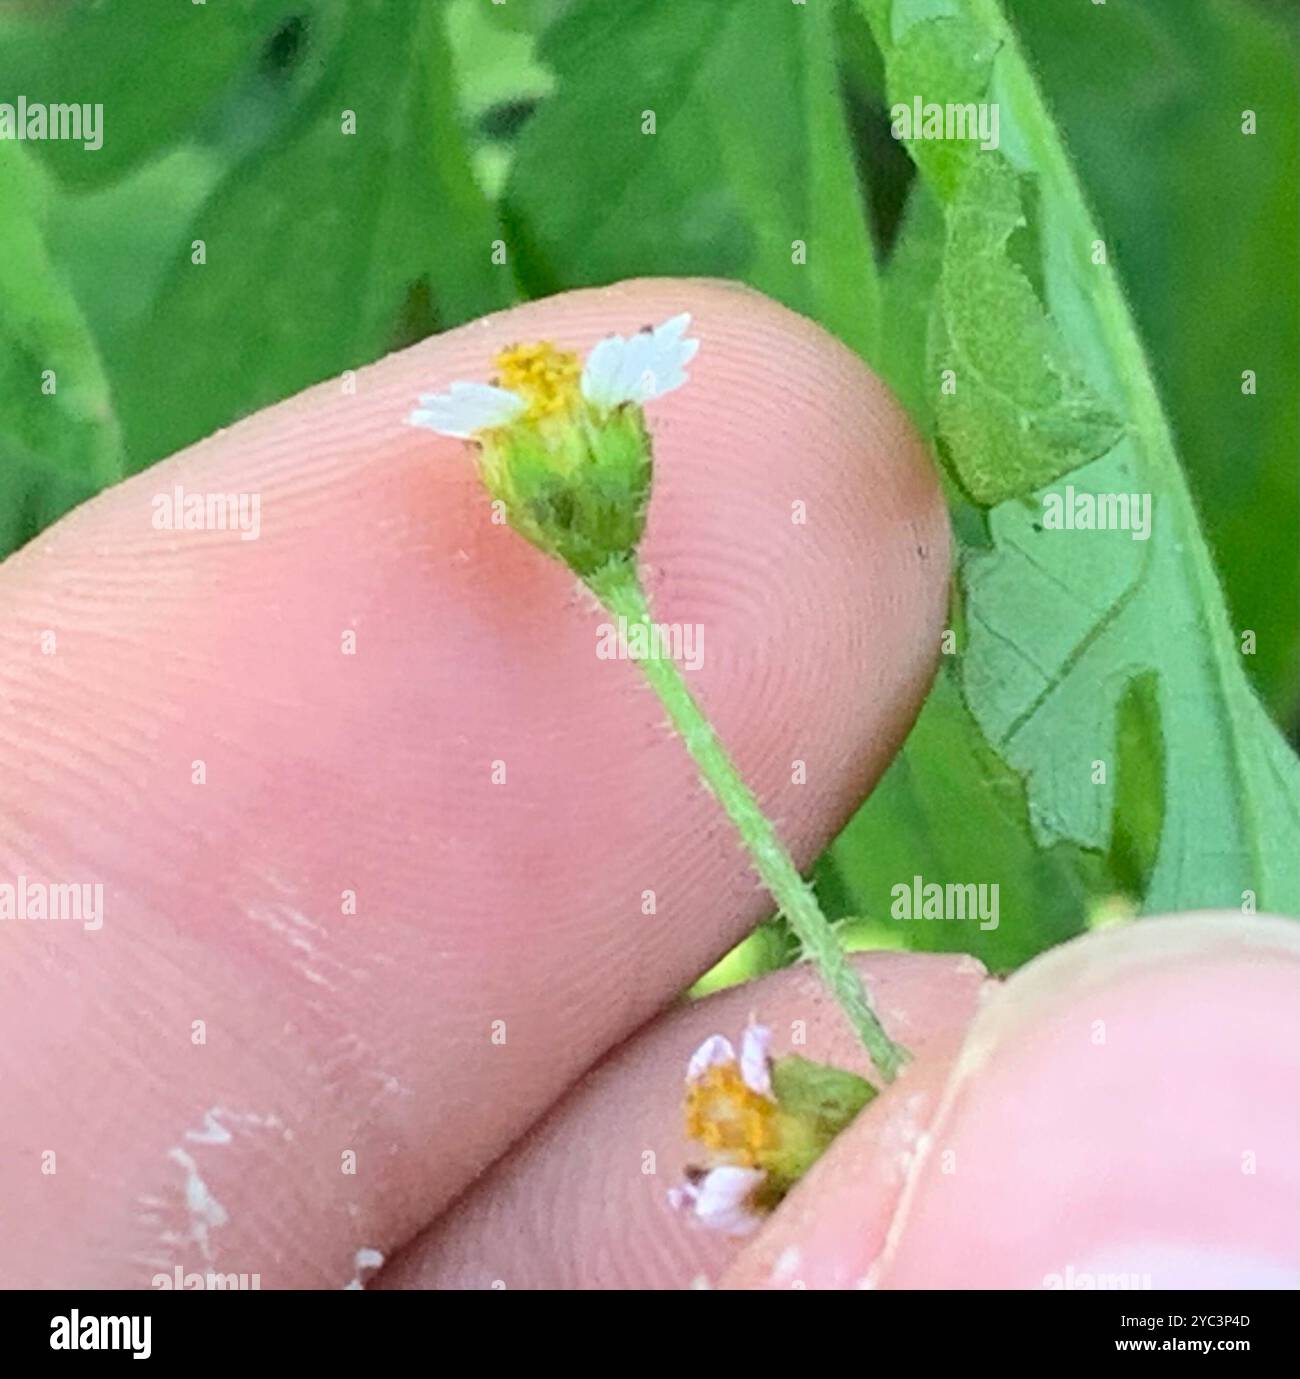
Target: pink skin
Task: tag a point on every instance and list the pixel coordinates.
(329, 1033)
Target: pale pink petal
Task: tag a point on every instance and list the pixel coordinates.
(723, 1200)
(755, 1059)
(712, 1053)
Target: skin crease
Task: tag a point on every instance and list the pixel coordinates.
(329, 1033)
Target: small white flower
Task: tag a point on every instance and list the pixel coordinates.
(466, 409)
(650, 364)
(756, 1141)
(720, 1196)
(721, 1200)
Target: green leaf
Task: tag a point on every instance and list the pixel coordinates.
(1065, 632)
(1203, 232)
(1019, 416)
(949, 809)
(96, 54)
(1013, 412)
(323, 249)
(495, 55)
(1103, 669)
(937, 61)
(670, 173)
(59, 440)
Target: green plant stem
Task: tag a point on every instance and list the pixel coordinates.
(618, 587)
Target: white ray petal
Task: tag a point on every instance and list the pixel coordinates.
(600, 374)
(655, 385)
(668, 354)
(685, 351)
(714, 1051)
(755, 1059)
(722, 1200)
(636, 369)
(674, 327)
(638, 359)
(467, 408)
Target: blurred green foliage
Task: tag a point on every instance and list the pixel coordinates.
(289, 190)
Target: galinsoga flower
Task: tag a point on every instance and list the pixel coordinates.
(762, 1123)
(564, 446)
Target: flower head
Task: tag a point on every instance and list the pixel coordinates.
(761, 1125)
(564, 446)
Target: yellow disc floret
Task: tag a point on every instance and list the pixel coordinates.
(736, 1123)
(546, 378)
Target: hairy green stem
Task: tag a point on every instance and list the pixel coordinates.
(618, 587)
